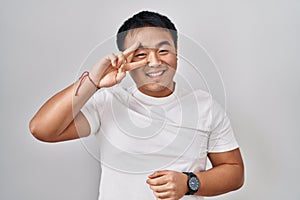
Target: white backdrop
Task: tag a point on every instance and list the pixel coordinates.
(255, 45)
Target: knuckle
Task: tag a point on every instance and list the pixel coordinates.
(171, 178)
(173, 193)
(173, 187)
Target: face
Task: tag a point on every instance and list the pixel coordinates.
(158, 49)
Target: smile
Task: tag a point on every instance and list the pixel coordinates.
(155, 74)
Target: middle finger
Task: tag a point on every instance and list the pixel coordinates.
(134, 65)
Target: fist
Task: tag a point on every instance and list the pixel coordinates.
(168, 185)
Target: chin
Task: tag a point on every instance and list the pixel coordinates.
(153, 87)
(156, 90)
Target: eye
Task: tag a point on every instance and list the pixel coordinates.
(141, 55)
(163, 51)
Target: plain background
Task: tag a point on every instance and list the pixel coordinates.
(255, 44)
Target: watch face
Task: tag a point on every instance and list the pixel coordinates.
(194, 183)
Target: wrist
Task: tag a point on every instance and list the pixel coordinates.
(185, 180)
(86, 75)
(94, 78)
(193, 183)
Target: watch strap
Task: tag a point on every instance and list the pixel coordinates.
(190, 175)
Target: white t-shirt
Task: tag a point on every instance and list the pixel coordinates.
(139, 134)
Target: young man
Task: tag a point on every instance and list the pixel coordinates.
(155, 127)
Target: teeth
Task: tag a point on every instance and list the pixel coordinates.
(155, 74)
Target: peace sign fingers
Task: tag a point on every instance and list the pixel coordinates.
(134, 65)
(127, 52)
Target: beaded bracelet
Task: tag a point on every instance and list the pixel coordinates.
(85, 74)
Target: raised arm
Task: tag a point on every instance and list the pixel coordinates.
(55, 120)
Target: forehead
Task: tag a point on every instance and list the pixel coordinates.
(148, 36)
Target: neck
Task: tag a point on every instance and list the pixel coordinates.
(164, 92)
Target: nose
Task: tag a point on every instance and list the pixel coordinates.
(153, 59)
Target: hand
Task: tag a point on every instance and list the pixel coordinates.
(111, 69)
(168, 185)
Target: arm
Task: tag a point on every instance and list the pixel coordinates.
(55, 120)
(227, 174)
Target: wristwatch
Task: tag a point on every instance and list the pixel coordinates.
(193, 183)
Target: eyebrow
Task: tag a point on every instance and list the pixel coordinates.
(156, 46)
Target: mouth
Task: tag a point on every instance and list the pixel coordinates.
(156, 74)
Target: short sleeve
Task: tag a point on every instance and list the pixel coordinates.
(89, 110)
(221, 136)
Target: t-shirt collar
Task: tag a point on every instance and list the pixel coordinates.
(154, 100)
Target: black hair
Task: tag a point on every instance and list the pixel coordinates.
(145, 19)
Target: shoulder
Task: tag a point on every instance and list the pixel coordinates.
(203, 95)
(202, 102)
(206, 99)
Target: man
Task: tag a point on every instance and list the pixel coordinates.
(157, 126)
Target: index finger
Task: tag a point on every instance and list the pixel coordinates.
(131, 49)
(158, 173)
(161, 180)
(134, 65)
